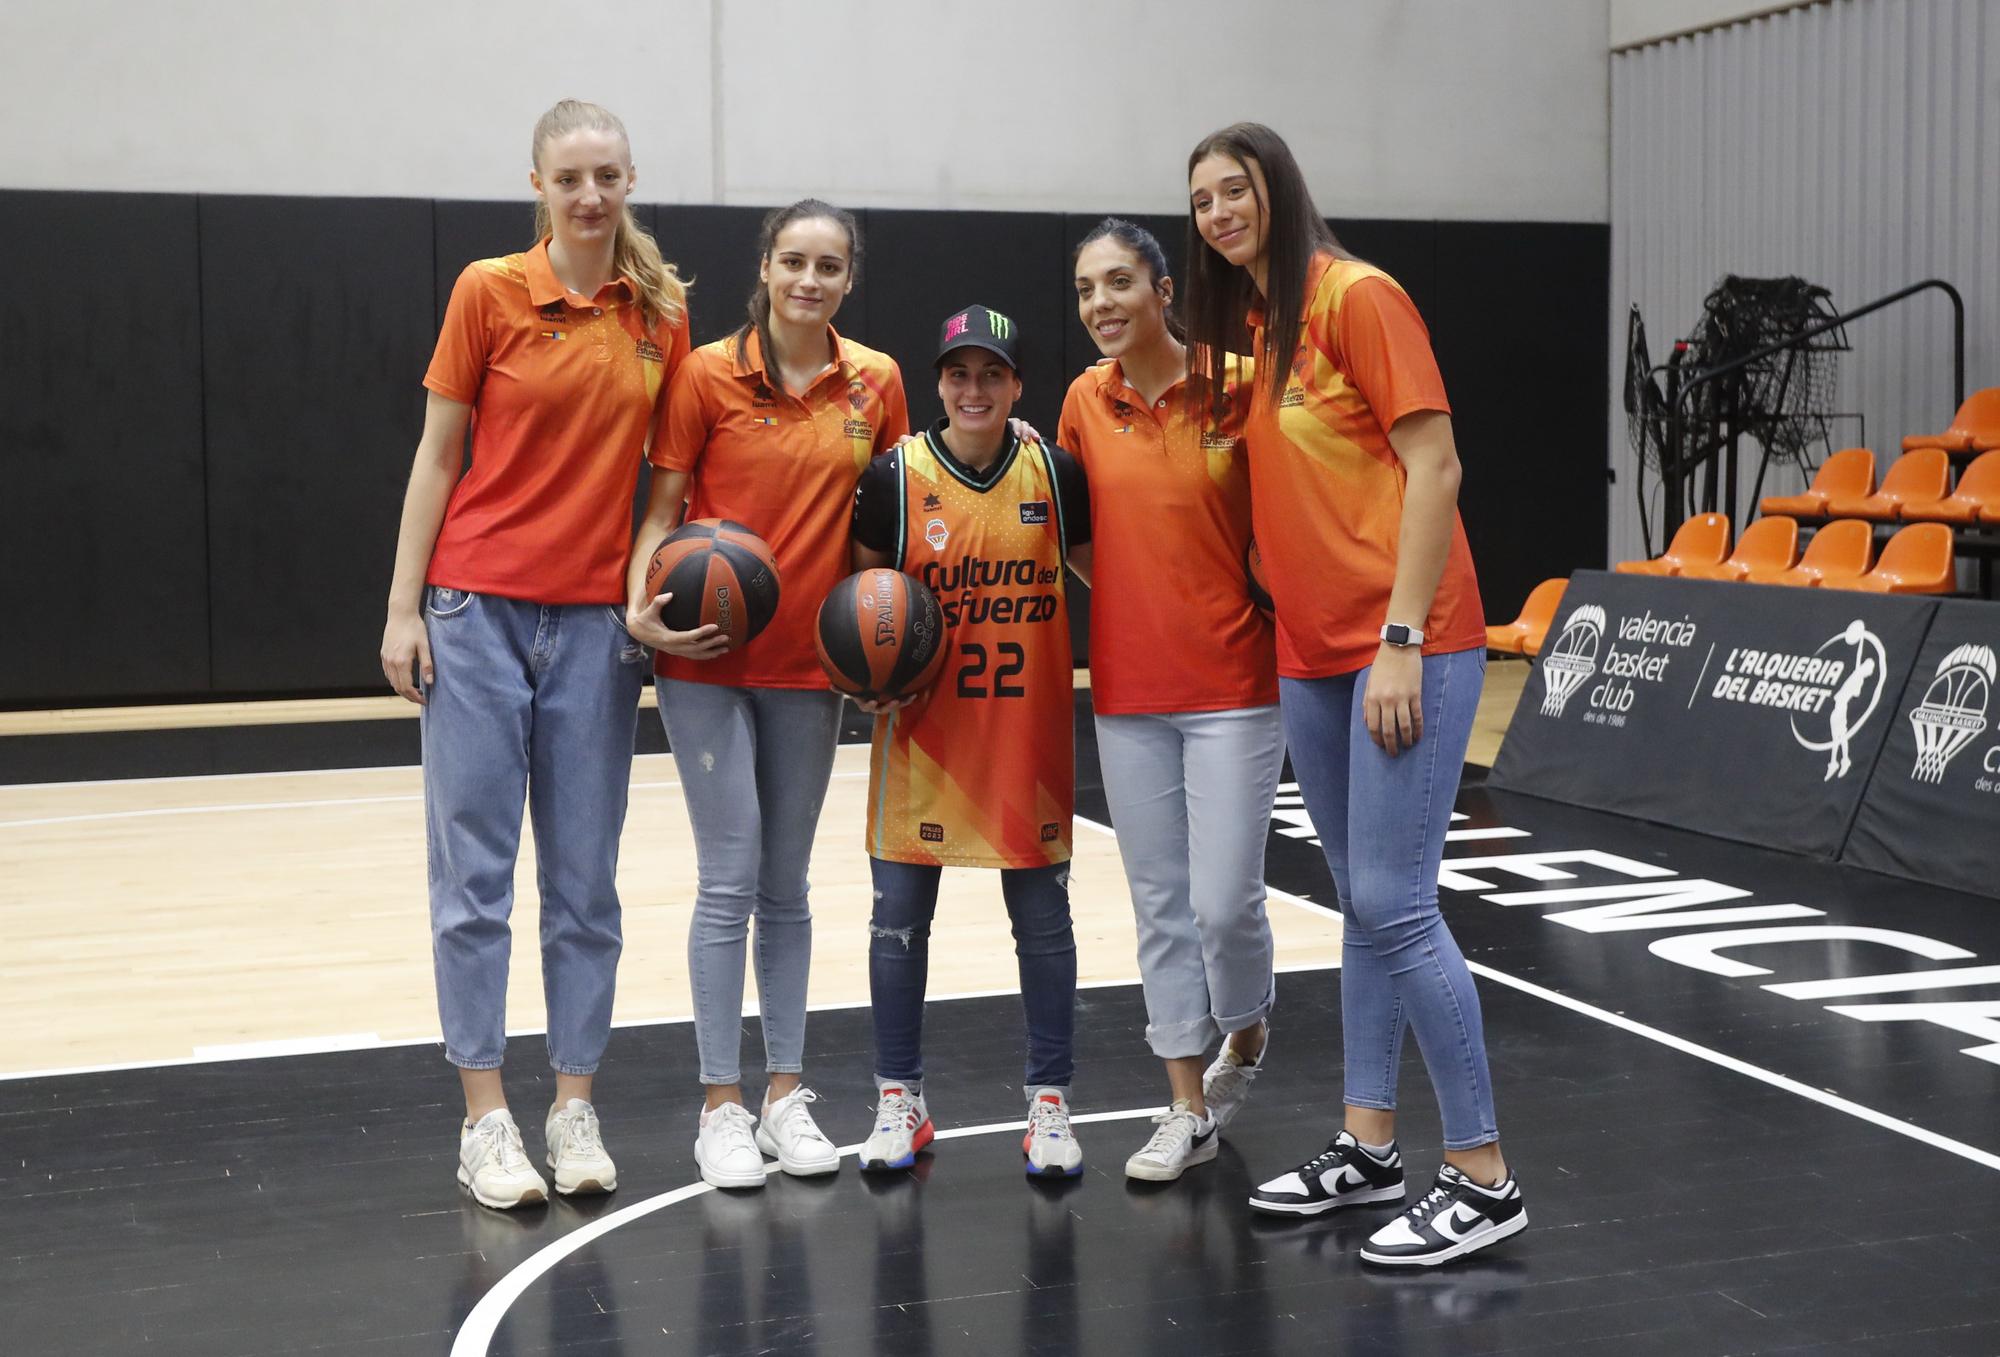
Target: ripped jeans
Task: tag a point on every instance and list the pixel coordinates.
(899, 949)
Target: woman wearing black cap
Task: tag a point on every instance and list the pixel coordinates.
(978, 771)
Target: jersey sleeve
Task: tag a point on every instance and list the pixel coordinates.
(1385, 349)
(877, 515)
(1074, 491)
(684, 427)
(1069, 424)
(458, 364)
(895, 412)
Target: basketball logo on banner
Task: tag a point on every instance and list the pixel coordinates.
(1844, 711)
(1572, 659)
(1953, 711)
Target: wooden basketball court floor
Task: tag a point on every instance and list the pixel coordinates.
(226, 1128)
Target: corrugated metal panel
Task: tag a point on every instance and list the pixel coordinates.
(1856, 144)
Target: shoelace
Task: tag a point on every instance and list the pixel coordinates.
(794, 1109)
(503, 1142)
(1049, 1119)
(583, 1136)
(731, 1123)
(1176, 1129)
(1336, 1153)
(897, 1112)
(1432, 1202)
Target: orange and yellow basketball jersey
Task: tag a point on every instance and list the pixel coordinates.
(980, 771)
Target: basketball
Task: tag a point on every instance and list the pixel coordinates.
(881, 635)
(718, 572)
(1260, 592)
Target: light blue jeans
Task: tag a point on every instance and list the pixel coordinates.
(1382, 822)
(754, 764)
(1190, 796)
(538, 702)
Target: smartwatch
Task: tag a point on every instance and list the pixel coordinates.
(1396, 634)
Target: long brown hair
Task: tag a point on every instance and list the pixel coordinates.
(776, 220)
(634, 253)
(1219, 294)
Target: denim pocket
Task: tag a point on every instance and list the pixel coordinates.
(629, 650)
(444, 603)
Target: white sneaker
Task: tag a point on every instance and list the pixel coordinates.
(725, 1147)
(1050, 1144)
(1180, 1141)
(1225, 1084)
(576, 1149)
(493, 1166)
(788, 1134)
(902, 1127)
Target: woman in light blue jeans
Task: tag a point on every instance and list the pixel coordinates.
(769, 427)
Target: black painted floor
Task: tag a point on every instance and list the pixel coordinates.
(307, 1204)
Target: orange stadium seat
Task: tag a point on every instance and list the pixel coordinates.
(1975, 428)
(1769, 544)
(1523, 636)
(1977, 496)
(1849, 473)
(1702, 540)
(1919, 477)
(1840, 550)
(1917, 560)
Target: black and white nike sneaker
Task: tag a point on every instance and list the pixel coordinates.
(1453, 1219)
(1343, 1175)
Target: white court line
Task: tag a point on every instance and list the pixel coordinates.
(216, 809)
(475, 1336)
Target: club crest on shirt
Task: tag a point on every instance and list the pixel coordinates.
(935, 534)
(1035, 511)
(857, 395)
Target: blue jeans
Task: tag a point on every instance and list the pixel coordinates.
(1382, 822)
(899, 954)
(754, 764)
(535, 701)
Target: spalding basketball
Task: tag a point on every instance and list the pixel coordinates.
(881, 635)
(719, 572)
(1260, 591)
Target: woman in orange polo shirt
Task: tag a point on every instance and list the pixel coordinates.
(1381, 654)
(770, 427)
(506, 625)
(1190, 750)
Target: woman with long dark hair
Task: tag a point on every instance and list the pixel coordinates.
(1354, 481)
(1190, 750)
(771, 427)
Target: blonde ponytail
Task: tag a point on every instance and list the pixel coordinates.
(634, 252)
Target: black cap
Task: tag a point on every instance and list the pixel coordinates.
(977, 327)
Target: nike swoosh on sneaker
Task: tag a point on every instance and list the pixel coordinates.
(1458, 1222)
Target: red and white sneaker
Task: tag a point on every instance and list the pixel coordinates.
(902, 1127)
(1050, 1144)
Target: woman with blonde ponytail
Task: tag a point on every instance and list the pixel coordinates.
(506, 625)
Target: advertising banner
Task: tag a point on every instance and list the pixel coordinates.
(1932, 809)
(1752, 712)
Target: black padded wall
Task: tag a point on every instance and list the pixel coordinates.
(318, 319)
(1518, 323)
(103, 545)
(208, 424)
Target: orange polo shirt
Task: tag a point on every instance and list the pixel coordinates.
(1326, 488)
(784, 466)
(1172, 628)
(564, 390)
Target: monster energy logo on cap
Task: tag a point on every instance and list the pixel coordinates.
(980, 327)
